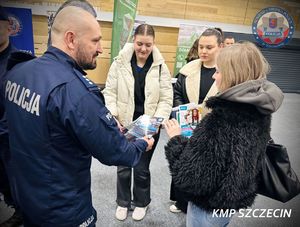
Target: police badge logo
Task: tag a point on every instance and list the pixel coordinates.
(15, 24)
(273, 27)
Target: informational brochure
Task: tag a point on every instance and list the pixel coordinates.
(188, 116)
(143, 126)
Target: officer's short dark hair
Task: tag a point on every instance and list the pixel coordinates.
(3, 14)
(83, 4)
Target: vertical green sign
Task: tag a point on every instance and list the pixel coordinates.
(187, 35)
(123, 21)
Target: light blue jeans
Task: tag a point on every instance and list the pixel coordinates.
(197, 217)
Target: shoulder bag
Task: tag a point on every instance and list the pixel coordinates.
(277, 179)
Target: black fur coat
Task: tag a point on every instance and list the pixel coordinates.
(218, 166)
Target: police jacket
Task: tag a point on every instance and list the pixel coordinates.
(218, 165)
(58, 121)
(3, 63)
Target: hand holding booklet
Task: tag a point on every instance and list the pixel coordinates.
(188, 116)
(143, 126)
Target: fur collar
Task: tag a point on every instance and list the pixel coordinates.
(192, 72)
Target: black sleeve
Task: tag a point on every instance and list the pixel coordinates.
(178, 98)
(195, 164)
(174, 148)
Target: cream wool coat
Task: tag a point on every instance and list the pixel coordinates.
(192, 72)
(119, 87)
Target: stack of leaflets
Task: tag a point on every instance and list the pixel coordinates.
(188, 116)
(143, 126)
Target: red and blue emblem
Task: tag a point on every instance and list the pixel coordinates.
(273, 27)
(16, 25)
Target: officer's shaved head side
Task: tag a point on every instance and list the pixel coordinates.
(73, 20)
(83, 4)
(77, 33)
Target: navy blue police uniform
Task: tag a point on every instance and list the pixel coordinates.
(4, 183)
(4, 55)
(58, 121)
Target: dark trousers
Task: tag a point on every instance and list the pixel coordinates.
(141, 181)
(4, 182)
(178, 196)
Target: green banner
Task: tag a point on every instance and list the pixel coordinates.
(123, 21)
(186, 37)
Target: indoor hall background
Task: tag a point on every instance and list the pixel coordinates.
(234, 12)
(231, 13)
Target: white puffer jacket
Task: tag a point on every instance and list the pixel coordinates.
(119, 87)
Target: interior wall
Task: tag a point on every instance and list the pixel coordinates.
(240, 12)
(165, 40)
(225, 11)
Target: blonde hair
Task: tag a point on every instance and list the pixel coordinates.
(241, 62)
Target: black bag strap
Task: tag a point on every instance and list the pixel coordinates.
(159, 71)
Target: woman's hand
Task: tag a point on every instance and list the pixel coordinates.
(172, 127)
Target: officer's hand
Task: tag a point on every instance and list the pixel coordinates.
(150, 142)
(121, 128)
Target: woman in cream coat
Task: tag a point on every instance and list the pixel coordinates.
(138, 83)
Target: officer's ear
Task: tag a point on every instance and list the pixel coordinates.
(70, 39)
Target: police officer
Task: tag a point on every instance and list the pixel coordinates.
(6, 48)
(58, 121)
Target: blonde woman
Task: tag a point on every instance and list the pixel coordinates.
(219, 164)
(138, 83)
